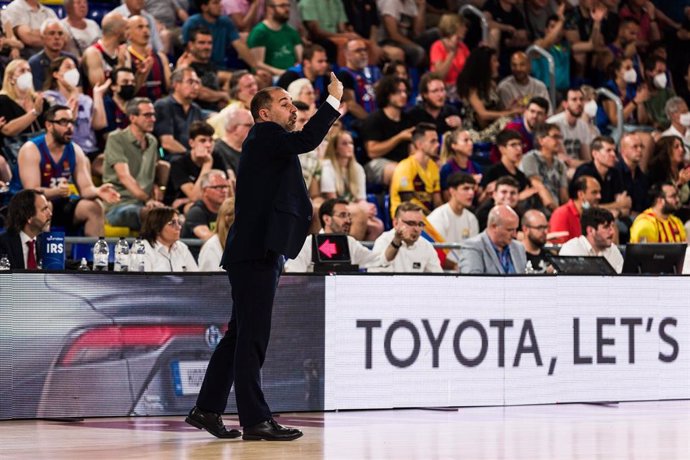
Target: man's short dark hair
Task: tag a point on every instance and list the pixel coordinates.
(132, 107)
(578, 185)
(118, 71)
(540, 102)
(507, 135)
(407, 206)
(21, 208)
(326, 208)
(593, 217)
(199, 30)
(53, 110)
(599, 141)
(262, 100)
(200, 128)
(200, 3)
(457, 179)
(386, 87)
(421, 129)
(301, 106)
(542, 130)
(234, 84)
(309, 51)
(509, 181)
(426, 79)
(656, 191)
(178, 75)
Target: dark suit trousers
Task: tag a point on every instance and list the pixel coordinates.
(241, 352)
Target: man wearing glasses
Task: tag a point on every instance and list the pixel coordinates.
(201, 217)
(546, 172)
(55, 165)
(495, 250)
(176, 113)
(131, 159)
(535, 228)
(403, 249)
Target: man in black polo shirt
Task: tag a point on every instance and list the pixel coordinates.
(200, 221)
(635, 182)
(614, 197)
(186, 171)
(211, 94)
(433, 107)
(176, 113)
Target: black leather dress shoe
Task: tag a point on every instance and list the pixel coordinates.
(270, 430)
(211, 422)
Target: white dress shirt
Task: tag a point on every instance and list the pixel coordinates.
(178, 259)
(210, 255)
(580, 247)
(419, 257)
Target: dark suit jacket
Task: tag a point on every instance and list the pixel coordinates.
(11, 244)
(272, 206)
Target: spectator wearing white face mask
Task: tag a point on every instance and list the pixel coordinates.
(660, 91)
(678, 114)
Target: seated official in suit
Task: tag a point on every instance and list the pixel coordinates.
(495, 251)
(28, 215)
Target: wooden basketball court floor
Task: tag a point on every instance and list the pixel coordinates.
(642, 430)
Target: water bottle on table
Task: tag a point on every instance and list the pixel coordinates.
(121, 255)
(101, 252)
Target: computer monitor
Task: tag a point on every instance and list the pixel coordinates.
(331, 253)
(581, 265)
(655, 258)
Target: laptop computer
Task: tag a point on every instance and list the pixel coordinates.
(331, 253)
(582, 265)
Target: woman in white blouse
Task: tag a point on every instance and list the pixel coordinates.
(342, 177)
(160, 231)
(212, 250)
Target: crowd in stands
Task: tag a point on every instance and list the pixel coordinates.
(133, 123)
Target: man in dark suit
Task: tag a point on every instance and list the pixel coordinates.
(272, 216)
(28, 215)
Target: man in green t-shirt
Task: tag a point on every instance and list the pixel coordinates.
(273, 41)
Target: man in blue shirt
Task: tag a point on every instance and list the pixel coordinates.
(223, 31)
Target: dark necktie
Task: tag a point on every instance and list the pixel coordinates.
(31, 257)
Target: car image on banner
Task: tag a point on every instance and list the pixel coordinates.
(97, 344)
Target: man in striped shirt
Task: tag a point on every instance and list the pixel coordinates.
(658, 224)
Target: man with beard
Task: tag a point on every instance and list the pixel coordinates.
(402, 248)
(28, 215)
(576, 133)
(58, 167)
(417, 178)
(585, 192)
(534, 115)
(335, 217)
(273, 213)
(222, 29)
(433, 107)
(198, 56)
(658, 224)
(358, 78)
(598, 230)
(275, 45)
(519, 88)
(534, 229)
(386, 133)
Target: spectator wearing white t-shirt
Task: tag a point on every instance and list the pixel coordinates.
(454, 221)
(598, 228)
(577, 135)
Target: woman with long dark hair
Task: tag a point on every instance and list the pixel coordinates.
(667, 165)
(476, 84)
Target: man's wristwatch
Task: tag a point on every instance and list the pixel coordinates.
(396, 246)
